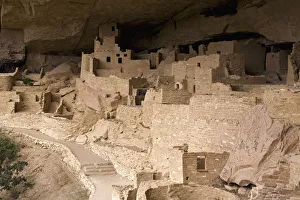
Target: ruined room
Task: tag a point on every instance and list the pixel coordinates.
(150, 100)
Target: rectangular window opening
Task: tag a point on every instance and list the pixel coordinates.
(120, 60)
(201, 163)
(113, 28)
(108, 59)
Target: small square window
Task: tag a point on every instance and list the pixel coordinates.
(108, 59)
(199, 64)
(201, 163)
(118, 55)
(125, 55)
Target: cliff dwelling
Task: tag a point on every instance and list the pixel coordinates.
(151, 100)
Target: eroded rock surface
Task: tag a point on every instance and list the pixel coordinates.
(262, 144)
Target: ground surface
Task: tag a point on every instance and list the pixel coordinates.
(51, 178)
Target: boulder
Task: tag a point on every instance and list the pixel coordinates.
(88, 95)
(63, 72)
(100, 131)
(81, 139)
(243, 191)
(66, 90)
(272, 77)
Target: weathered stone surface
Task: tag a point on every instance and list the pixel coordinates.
(66, 90)
(264, 20)
(100, 131)
(81, 139)
(35, 62)
(61, 25)
(63, 72)
(12, 46)
(261, 145)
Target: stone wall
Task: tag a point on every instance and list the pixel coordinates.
(224, 47)
(209, 124)
(283, 104)
(221, 107)
(128, 167)
(175, 97)
(8, 102)
(277, 62)
(110, 85)
(6, 82)
(233, 63)
(214, 163)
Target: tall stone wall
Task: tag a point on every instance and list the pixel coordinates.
(209, 124)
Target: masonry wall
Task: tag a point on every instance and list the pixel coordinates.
(110, 85)
(179, 70)
(234, 64)
(214, 164)
(182, 70)
(209, 124)
(153, 57)
(222, 106)
(277, 62)
(175, 97)
(255, 56)
(283, 104)
(135, 68)
(224, 47)
(8, 102)
(165, 82)
(253, 52)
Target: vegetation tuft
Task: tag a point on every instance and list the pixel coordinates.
(10, 167)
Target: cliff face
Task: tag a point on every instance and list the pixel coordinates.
(59, 25)
(71, 25)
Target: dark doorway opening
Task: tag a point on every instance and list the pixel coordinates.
(120, 60)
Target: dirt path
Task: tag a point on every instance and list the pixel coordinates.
(102, 183)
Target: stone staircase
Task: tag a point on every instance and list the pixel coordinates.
(104, 169)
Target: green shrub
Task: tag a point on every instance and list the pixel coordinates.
(28, 81)
(10, 167)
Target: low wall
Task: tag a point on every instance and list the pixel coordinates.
(129, 167)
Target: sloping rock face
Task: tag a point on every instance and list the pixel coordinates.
(63, 25)
(263, 143)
